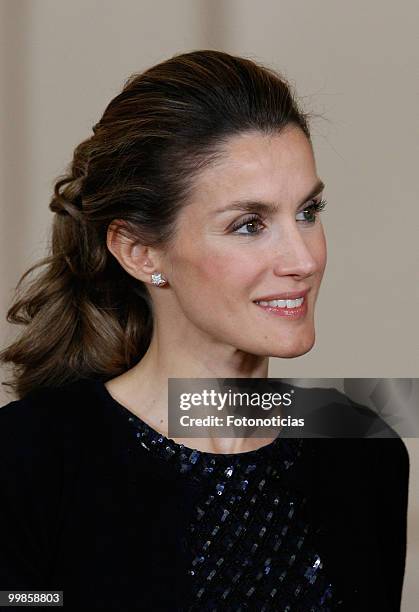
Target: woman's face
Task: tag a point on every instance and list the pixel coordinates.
(225, 258)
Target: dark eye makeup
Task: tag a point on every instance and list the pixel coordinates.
(312, 211)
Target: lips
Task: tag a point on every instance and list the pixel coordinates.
(286, 295)
(292, 313)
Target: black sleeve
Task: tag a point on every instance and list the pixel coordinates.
(391, 511)
(28, 496)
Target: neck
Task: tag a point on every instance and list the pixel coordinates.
(143, 388)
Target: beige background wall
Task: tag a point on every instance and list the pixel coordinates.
(356, 63)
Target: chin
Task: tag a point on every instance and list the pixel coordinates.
(291, 349)
(292, 354)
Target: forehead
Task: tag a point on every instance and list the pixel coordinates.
(271, 167)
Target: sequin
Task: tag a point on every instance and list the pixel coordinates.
(250, 541)
(277, 545)
(170, 452)
(224, 515)
(194, 456)
(219, 488)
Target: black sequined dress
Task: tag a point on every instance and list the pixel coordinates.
(95, 503)
(250, 542)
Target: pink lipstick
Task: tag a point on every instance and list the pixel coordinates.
(290, 304)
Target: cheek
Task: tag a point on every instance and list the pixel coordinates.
(220, 281)
(232, 268)
(216, 267)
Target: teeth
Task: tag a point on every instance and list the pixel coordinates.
(283, 303)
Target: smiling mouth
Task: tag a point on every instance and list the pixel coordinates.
(290, 309)
(289, 304)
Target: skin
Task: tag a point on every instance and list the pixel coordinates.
(214, 275)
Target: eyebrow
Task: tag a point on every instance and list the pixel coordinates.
(267, 207)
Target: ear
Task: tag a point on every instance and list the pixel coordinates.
(138, 260)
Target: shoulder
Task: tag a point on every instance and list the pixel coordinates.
(45, 405)
(368, 423)
(349, 438)
(39, 426)
(74, 429)
(331, 413)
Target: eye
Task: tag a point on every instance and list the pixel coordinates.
(312, 211)
(310, 214)
(252, 221)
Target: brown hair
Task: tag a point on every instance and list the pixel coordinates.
(85, 316)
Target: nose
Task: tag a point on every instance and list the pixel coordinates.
(296, 254)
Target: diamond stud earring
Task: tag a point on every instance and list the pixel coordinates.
(158, 279)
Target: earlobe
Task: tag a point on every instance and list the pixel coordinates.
(158, 279)
(127, 254)
(137, 259)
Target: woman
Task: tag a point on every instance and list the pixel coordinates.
(194, 204)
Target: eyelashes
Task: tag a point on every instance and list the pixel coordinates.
(312, 210)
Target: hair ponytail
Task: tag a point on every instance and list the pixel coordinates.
(84, 315)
